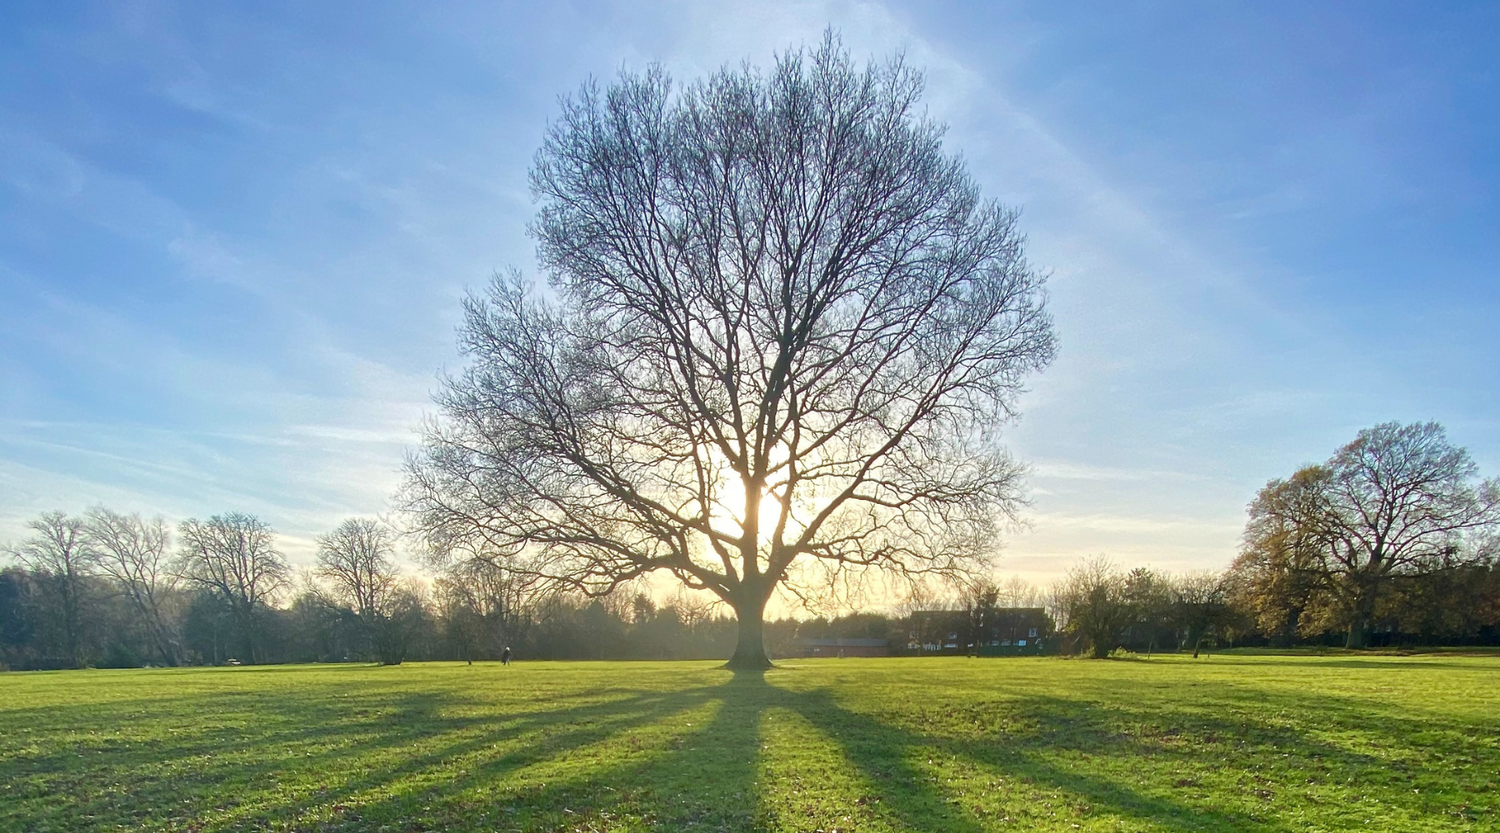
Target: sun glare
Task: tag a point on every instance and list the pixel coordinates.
(728, 510)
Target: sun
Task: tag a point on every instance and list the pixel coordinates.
(727, 510)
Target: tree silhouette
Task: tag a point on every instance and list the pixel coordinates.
(783, 332)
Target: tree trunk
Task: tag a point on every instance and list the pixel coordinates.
(1364, 613)
(163, 644)
(1289, 627)
(750, 649)
(247, 622)
(1356, 637)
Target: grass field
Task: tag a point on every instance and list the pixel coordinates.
(1267, 743)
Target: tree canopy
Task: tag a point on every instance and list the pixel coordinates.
(783, 331)
(1399, 501)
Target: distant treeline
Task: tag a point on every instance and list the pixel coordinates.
(87, 617)
(112, 590)
(106, 589)
(1392, 542)
(68, 604)
(110, 633)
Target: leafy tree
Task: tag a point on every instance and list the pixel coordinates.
(1148, 598)
(980, 603)
(1279, 574)
(208, 628)
(459, 622)
(1451, 605)
(323, 630)
(784, 328)
(1092, 603)
(403, 618)
(1398, 501)
(17, 630)
(1199, 606)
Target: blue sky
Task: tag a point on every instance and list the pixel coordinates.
(233, 237)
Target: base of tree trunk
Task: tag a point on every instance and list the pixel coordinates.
(750, 647)
(1357, 638)
(749, 661)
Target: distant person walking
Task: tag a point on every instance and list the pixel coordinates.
(505, 656)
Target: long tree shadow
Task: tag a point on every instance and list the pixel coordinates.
(694, 758)
(905, 763)
(240, 777)
(420, 781)
(681, 774)
(1383, 663)
(1073, 747)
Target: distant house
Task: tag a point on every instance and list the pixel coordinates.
(937, 631)
(1019, 627)
(844, 647)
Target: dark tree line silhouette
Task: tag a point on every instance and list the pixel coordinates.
(1392, 542)
(112, 590)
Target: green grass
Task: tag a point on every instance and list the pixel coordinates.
(1260, 743)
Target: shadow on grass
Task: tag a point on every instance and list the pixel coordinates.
(1378, 662)
(331, 758)
(278, 756)
(709, 777)
(913, 792)
(687, 775)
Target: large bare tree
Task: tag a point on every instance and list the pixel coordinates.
(136, 553)
(783, 332)
(234, 557)
(1402, 501)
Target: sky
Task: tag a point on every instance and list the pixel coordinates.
(234, 237)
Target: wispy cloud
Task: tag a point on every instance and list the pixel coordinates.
(232, 244)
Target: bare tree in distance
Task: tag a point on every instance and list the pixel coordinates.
(136, 553)
(1018, 592)
(1399, 500)
(488, 604)
(59, 553)
(234, 557)
(356, 560)
(784, 334)
(693, 609)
